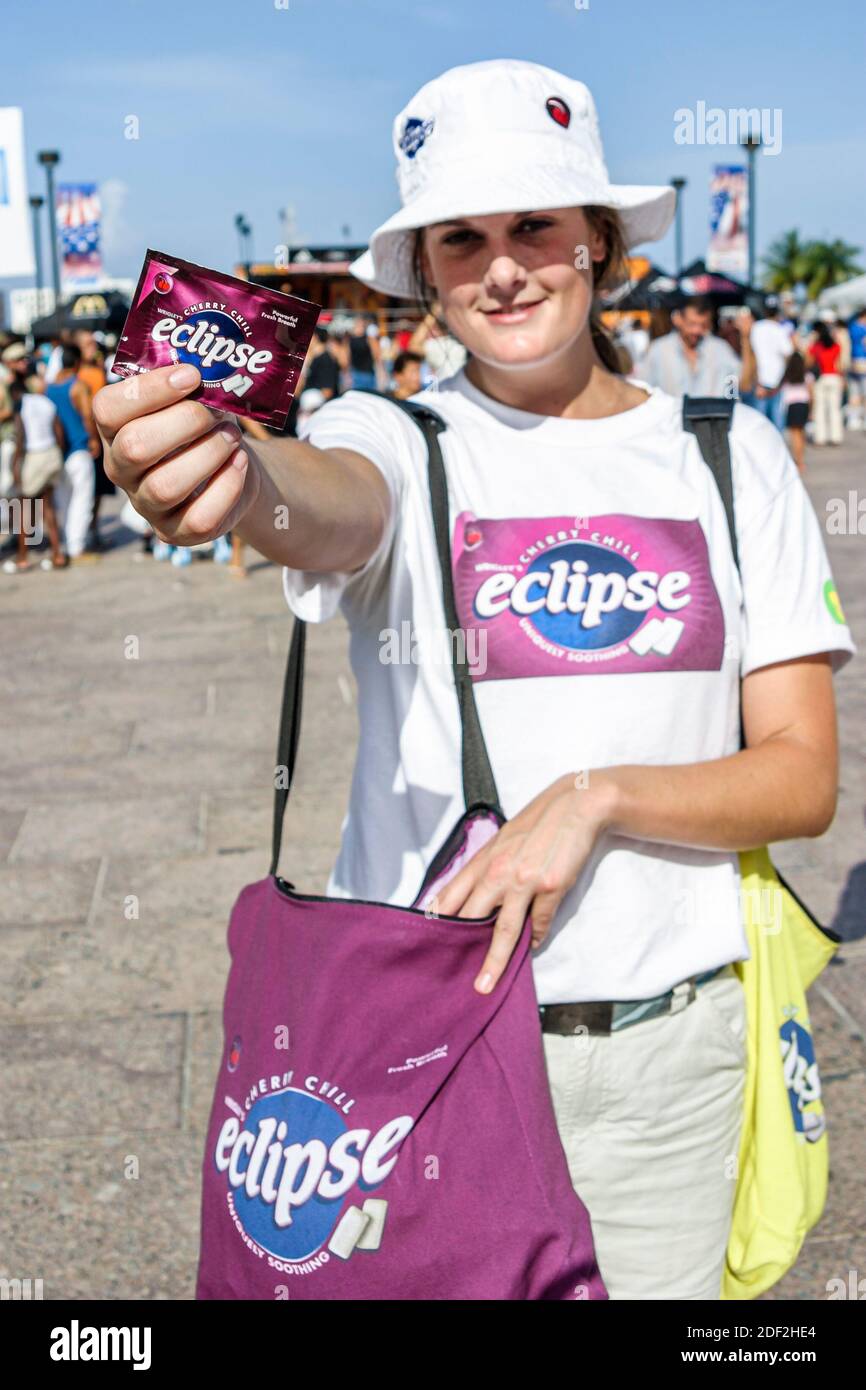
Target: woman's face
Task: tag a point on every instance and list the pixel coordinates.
(515, 288)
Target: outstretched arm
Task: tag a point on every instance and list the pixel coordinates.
(188, 470)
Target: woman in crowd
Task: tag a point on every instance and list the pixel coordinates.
(824, 356)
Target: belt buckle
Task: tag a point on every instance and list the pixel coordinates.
(682, 995)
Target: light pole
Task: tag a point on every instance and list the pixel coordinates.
(240, 225)
(751, 145)
(35, 204)
(678, 185)
(48, 159)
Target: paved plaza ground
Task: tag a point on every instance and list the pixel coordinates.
(139, 715)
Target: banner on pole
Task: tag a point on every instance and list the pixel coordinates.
(16, 242)
(728, 249)
(79, 227)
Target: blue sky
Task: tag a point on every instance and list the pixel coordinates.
(244, 106)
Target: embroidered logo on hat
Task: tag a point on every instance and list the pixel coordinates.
(558, 109)
(415, 132)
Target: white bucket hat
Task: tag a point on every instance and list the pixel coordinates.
(500, 136)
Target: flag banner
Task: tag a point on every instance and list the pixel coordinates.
(728, 249)
(16, 242)
(79, 227)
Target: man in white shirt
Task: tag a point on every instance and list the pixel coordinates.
(771, 344)
(692, 361)
(635, 339)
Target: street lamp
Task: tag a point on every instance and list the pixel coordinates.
(751, 145)
(678, 185)
(48, 159)
(35, 204)
(240, 228)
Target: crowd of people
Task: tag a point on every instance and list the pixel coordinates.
(51, 454)
(806, 376)
(50, 449)
(360, 357)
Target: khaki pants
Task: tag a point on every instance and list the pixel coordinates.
(650, 1121)
(827, 409)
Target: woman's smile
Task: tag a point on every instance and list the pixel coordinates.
(516, 313)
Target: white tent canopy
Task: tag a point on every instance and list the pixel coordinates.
(846, 298)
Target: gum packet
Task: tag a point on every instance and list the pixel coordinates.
(248, 342)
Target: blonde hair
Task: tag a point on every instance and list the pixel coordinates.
(606, 274)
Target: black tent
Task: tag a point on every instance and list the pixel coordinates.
(719, 289)
(91, 309)
(654, 290)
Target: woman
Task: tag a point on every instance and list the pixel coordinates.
(584, 520)
(796, 400)
(92, 374)
(364, 355)
(36, 465)
(824, 355)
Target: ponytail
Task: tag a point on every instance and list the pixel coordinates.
(605, 348)
(606, 274)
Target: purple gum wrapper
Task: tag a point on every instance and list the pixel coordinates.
(248, 342)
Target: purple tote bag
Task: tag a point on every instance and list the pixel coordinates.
(380, 1130)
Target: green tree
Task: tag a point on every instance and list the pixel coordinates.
(817, 264)
(829, 263)
(786, 262)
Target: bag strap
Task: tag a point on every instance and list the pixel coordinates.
(708, 418)
(479, 784)
(289, 734)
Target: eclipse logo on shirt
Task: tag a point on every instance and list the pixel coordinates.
(582, 597)
(574, 595)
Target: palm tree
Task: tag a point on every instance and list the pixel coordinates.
(829, 263)
(786, 262)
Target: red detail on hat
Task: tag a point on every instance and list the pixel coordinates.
(558, 109)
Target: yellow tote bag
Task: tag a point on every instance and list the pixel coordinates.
(783, 1158)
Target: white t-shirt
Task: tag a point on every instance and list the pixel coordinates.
(771, 344)
(647, 672)
(38, 414)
